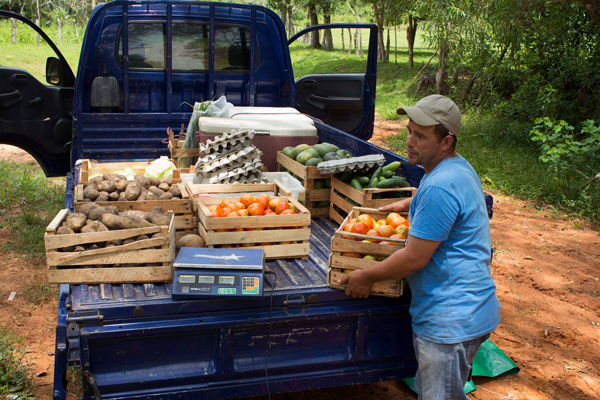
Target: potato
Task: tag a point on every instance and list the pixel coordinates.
(91, 193)
(151, 196)
(96, 179)
(189, 240)
(115, 242)
(79, 248)
(142, 237)
(122, 197)
(76, 221)
(94, 226)
(114, 196)
(138, 213)
(143, 195)
(122, 185)
(124, 222)
(157, 192)
(127, 241)
(142, 181)
(102, 197)
(133, 191)
(174, 189)
(64, 230)
(164, 186)
(86, 208)
(168, 181)
(85, 200)
(158, 217)
(96, 213)
(113, 177)
(106, 186)
(166, 196)
(154, 181)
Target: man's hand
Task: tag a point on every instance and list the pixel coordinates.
(358, 286)
(399, 206)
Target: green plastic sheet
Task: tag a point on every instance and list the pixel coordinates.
(490, 362)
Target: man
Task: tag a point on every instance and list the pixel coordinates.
(446, 260)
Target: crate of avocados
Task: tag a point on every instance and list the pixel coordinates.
(283, 235)
(359, 248)
(91, 168)
(372, 189)
(111, 248)
(170, 197)
(317, 185)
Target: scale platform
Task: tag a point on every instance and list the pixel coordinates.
(209, 273)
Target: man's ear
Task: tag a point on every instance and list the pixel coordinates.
(447, 142)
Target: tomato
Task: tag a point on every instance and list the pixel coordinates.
(255, 209)
(360, 228)
(366, 219)
(282, 206)
(263, 200)
(289, 211)
(385, 230)
(246, 200)
(274, 202)
(225, 203)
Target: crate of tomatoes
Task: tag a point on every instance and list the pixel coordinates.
(365, 237)
(278, 225)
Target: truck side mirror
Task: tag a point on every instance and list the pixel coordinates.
(53, 71)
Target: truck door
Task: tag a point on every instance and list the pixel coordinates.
(36, 116)
(335, 68)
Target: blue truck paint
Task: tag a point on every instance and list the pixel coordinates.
(133, 341)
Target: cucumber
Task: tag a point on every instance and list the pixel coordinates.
(363, 180)
(327, 182)
(356, 185)
(318, 184)
(346, 177)
(375, 178)
(386, 174)
(392, 167)
(381, 178)
(393, 182)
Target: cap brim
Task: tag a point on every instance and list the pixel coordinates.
(417, 116)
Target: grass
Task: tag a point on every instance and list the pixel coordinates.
(28, 202)
(16, 374)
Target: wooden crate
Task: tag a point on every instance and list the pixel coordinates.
(91, 168)
(308, 176)
(280, 236)
(196, 190)
(364, 198)
(185, 219)
(339, 245)
(96, 266)
(177, 151)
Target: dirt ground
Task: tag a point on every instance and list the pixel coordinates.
(546, 269)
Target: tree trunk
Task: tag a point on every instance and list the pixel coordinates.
(379, 20)
(314, 20)
(343, 44)
(411, 33)
(37, 36)
(454, 83)
(441, 76)
(14, 31)
(387, 50)
(59, 31)
(592, 9)
(356, 42)
(395, 43)
(327, 37)
(350, 42)
(290, 20)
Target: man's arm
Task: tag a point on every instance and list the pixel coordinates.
(400, 264)
(399, 206)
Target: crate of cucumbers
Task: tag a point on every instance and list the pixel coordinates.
(365, 237)
(367, 187)
(301, 161)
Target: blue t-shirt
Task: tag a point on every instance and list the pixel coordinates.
(453, 296)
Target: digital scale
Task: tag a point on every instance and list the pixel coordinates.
(209, 273)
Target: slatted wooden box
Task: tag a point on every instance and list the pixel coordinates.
(340, 264)
(308, 175)
(280, 236)
(142, 261)
(178, 151)
(185, 219)
(363, 199)
(90, 168)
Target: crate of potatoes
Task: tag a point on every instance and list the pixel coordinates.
(365, 237)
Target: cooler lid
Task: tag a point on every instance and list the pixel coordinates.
(272, 127)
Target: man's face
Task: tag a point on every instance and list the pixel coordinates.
(423, 147)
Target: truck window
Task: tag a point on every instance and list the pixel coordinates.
(147, 47)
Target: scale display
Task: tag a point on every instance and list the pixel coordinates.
(207, 273)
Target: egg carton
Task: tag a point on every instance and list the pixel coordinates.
(350, 164)
(223, 152)
(225, 142)
(227, 161)
(235, 174)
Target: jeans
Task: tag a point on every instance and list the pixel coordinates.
(443, 369)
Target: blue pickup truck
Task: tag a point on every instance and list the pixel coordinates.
(140, 63)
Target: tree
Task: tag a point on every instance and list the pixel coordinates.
(592, 8)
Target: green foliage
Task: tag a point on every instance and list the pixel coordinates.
(28, 202)
(16, 374)
(40, 293)
(564, 151)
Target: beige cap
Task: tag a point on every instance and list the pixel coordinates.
(433, 110)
